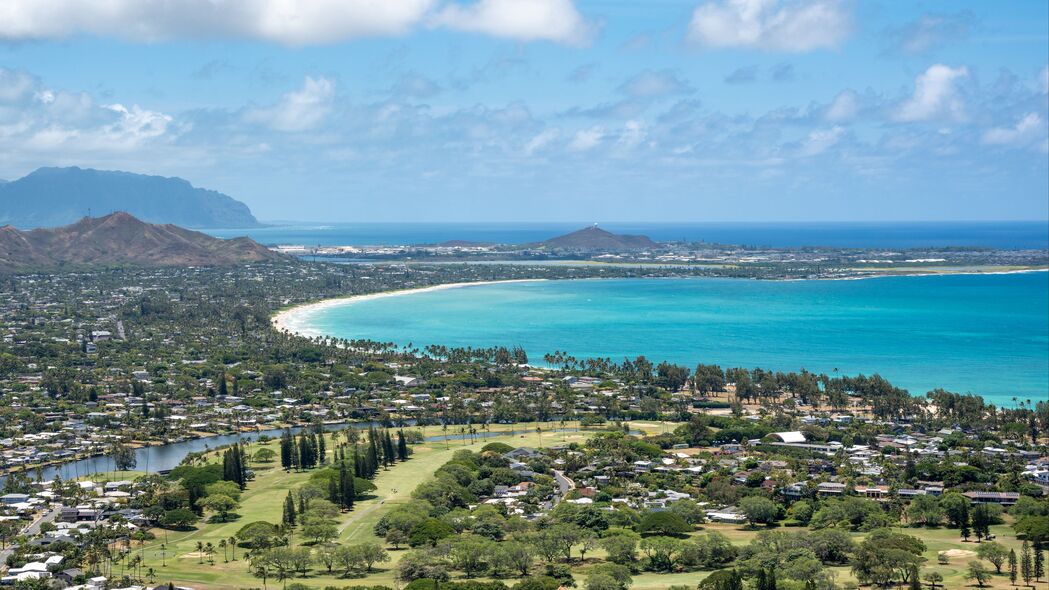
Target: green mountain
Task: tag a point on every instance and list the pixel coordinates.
(596, 239)
(51, 197)
(119, 239)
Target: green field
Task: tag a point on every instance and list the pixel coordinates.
(174, 557)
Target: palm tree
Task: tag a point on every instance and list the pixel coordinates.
(225, 556)
(209, 549)
(152, 575)
(232, 542)
(200, 552)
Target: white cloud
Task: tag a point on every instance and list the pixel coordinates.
(300, 110)
(525, 20)
(1044, 78)
(820, 140)
(791, 25)
(633, 134)
(935, 95)
(541, 140)
(587, 139)
(289, 22)
(1028, 130)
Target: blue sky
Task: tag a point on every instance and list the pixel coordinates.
(502, 110)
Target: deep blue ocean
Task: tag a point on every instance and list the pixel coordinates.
(984, 334)
(1005, 235)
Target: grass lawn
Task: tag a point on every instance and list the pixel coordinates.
(174, 557)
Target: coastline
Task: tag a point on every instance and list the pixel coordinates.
(290, 320)
(293, 319)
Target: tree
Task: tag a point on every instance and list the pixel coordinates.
(663, 523)
(621, 548)
(1026, 563)
(977, 573)
(1039, 564)
(468, 554)
(933, 579)
(220, 504)
(758, 509)
(885, 556)
(429, 532)
(258, 535)
(370, 554)
(289, 516)
(1012, 567)
(925, 510)
(661, 552)
(320, 529)
(327, 555)
(123, 457)
(178, 518)
(722, 580)
(608, 576)
(994, 552)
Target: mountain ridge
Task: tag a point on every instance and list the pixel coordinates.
(54, 197)
(595, 238)
(122, 239)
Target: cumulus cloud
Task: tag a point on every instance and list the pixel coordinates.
(35, 118)
(300, 110)
(525, 20)
(790, 25)
(1029, 130)
(935, 95)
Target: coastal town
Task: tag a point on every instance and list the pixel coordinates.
(472, 468)
(593, 245)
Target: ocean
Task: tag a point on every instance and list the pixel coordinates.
(983, 334)
(1002, 235)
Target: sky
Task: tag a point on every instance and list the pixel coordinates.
(544, 110)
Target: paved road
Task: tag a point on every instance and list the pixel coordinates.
(566, 485)
(33, 529)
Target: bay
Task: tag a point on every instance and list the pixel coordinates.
(983, 334)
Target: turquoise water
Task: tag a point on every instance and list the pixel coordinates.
(985, 334)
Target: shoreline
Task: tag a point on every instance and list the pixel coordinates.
(289, 320)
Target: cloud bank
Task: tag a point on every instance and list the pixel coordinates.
(288, 22)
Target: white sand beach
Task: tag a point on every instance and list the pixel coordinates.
(295, 320)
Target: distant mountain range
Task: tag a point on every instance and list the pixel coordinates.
(595, 238)
(120, 239)
(51, 197)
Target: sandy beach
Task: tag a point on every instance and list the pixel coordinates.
(295, 319)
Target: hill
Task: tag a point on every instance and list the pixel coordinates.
(51, 197)
(595, 238)
(121, 239)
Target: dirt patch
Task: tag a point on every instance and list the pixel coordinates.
(958, 553)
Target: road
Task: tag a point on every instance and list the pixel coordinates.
(566, 485)
(33, 529)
